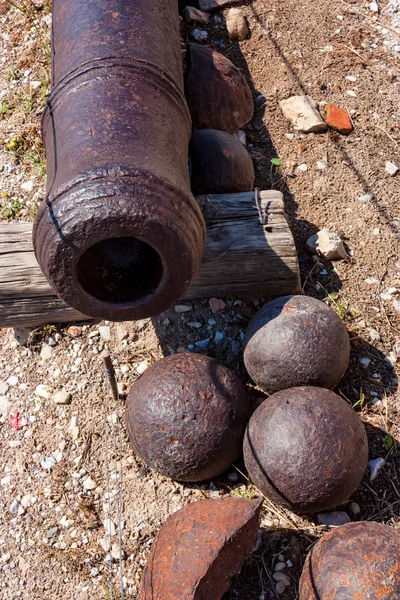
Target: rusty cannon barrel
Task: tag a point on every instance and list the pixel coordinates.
(120, 235)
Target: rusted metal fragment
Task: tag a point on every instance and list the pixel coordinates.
(120, 235)
(219, 163)
(306, 449)
(296, 340)
(359, 561)
(218, 95)
(186, 417)
(200, 548)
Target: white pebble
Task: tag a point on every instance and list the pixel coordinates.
(391, 169)
(375, 465)
(303, 167)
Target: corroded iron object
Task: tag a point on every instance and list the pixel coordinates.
(296, 340)
(219, 163)
(120, 235)
(218, 95)
(200, 548)
(306, 449)
(186, 417)
(354, 562)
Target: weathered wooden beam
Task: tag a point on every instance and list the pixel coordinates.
(250, 251)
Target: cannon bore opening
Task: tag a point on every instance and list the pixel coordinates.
(120, 270)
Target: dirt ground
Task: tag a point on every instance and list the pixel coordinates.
(53, 538)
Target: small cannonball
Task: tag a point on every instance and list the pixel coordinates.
(306, 449)
(296, 340)
(186, 417)
(219, 163)
(357, 560)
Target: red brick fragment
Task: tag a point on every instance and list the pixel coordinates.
(338, 119)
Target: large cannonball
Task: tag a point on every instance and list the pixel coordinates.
(186, 417)
(217, 94)
(296, 340)
(219, 163)
(306, 449)
(354, 562)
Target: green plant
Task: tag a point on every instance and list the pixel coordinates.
(4, 107)
(361, 401)
(11, 209)
(388, 441)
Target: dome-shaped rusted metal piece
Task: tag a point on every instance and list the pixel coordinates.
(359, 561)
(219, 163)
(306, 449)
(296, 340)
(218, 95)
(120, 236)
(199, 549)
(186, 417)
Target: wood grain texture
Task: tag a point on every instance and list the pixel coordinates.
(250, 251)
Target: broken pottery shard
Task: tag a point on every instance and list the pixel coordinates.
(303, 112)
(327, 244)
(200, 548)
(217, 94)
(209, 5)
(338, 119)
(358, 560)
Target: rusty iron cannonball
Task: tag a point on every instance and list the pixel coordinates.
(358, 561)
(217, 94)
(219, 163)
(296, 340)
(306, 449)
(186, 417)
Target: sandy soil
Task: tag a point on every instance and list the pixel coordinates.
(56, 542)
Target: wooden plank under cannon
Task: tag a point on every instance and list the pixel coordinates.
(250, 251)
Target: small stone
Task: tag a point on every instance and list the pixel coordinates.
(351, 78)
(373, 6)
(327, 244)
(241, 136)
(396, 305)
(3, 388)
(391, 169)
(62, 397)
(43, 391)
(182, 308)
(289, 563)
(109, 527)
(142, 367)
(351, 94)
(35, 85)
(14, 508)
(21, 335)
(333, 519)
(320, 165)
(219, 336)
(47, 463)
(355, 508)
(338, 119)
(13, 380)
(52, 532)
(122, 332)
(236, 25)
(203, 344)
(191, 14)
(371, 280)
(303, 112)
(46, 352)
(365, 362)
(52, 342)
(105, 333)
(209, 5)
(57, 455)
(195, 325)
(74, 331)
(199, 35)
(375, 465)
(366, 198)
(280, 587)
(279, 576)
(65, 522)
(89, 484)
(303, 167)
(4, 406)
(27, 186)
(233, 477)
(374, 334)
(94, 571)
(217, 305)
(280, 566)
